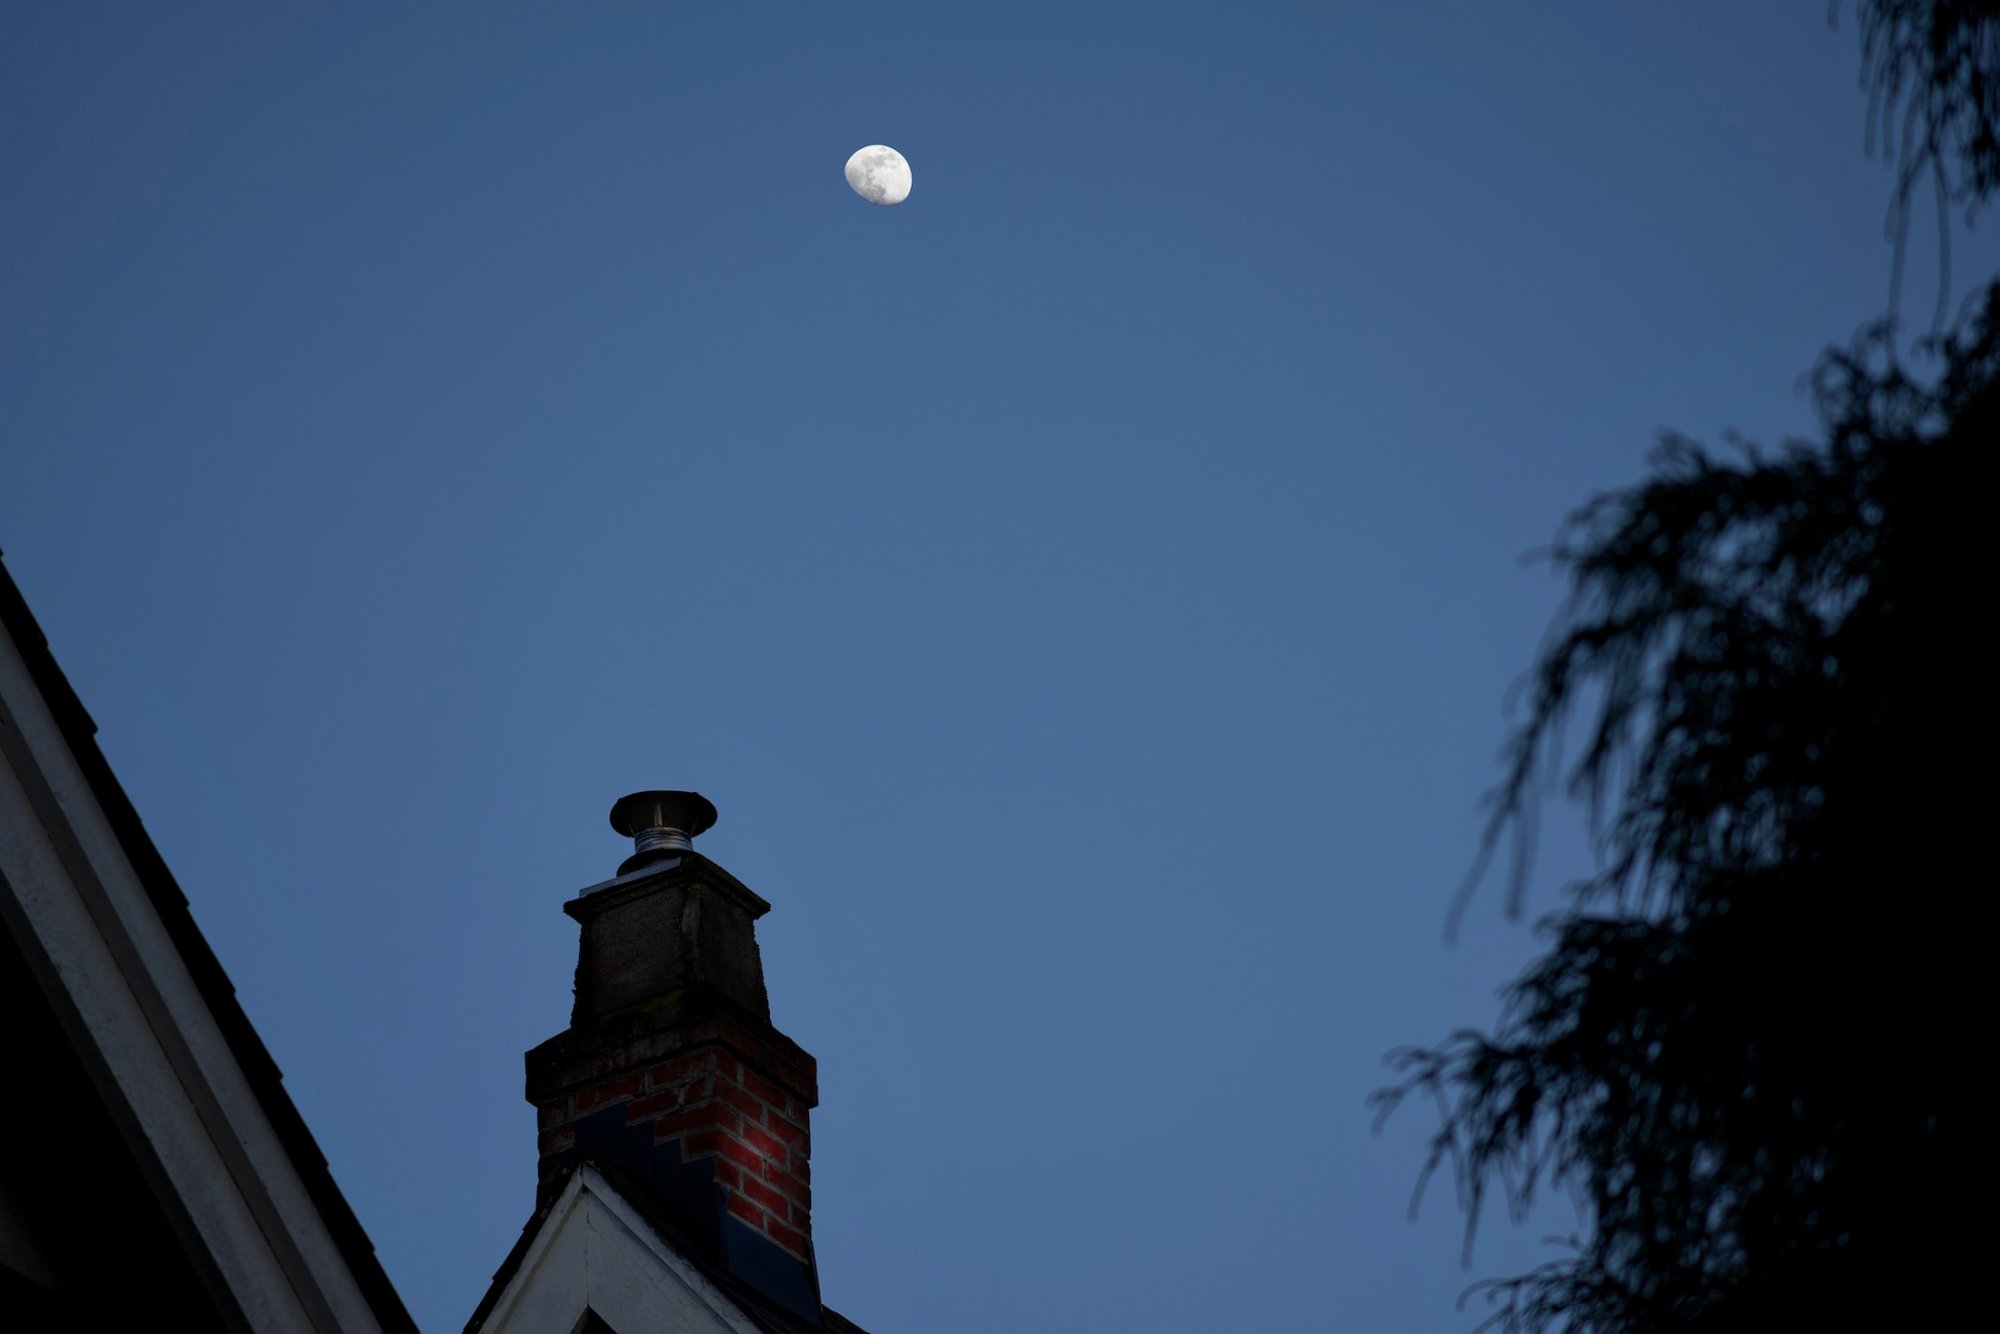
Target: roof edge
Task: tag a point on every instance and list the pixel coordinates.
(260, 1071)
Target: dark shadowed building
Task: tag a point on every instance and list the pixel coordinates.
(155, 1174)
(674, 1191)
(153, 1171)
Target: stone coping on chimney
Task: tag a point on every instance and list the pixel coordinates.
(607, 894)
(643, 873)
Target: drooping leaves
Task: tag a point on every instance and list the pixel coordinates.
(1749, 1044)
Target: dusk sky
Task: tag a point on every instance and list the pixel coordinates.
(1089, 590)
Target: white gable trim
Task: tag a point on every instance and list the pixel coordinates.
(68, 890)
(594, 1252)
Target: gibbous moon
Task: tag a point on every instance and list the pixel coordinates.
(879, 174)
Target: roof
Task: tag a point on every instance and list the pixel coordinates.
(258, 1070)
(765, 1315)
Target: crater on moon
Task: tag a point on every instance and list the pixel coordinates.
(879, 174)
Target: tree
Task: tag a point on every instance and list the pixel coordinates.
(1932, 72)
(1751, 1047)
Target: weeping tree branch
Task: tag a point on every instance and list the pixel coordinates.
(1775, 655)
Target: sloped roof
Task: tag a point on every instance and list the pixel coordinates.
(765, 1315)
(258, 1071)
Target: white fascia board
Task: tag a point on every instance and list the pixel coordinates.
(594, 1251)
(90, 917)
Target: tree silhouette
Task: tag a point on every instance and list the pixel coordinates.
(1933, 78)
(1751, 1048)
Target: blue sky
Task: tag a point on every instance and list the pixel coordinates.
(1088, 591)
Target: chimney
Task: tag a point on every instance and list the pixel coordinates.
(670, 1077)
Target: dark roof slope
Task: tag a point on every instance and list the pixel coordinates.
(262, 1073)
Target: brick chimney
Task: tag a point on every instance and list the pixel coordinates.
(670, 1076)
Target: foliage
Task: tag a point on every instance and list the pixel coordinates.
(1750, 1048)
(1932, 71)
(1748, 1043)
(1933, 75)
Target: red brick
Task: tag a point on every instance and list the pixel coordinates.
(749, 1212)
(694, 1089)
(653, 1104)
(789, 1238)
(784, 1129)
(802, 1217)
(682, 1068)
(694, 1119)
(792, 1187)
(728, 1173)
(802, 1167)
(726, 1064)
(610, 1091)
(752, 1108)
(552, 1115)
(764, 1195)
(737, 1151)
(707, 1141)
(766, 1143)
(679, 1095)
(765, 1089)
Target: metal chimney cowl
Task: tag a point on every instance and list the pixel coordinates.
(661, 824)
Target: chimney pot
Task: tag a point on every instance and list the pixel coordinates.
(661, 824)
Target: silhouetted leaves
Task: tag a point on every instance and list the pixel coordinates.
(1932, 70)
(1753, 1045)
(1749, 1042)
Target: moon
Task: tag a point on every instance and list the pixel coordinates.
(879, 174)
